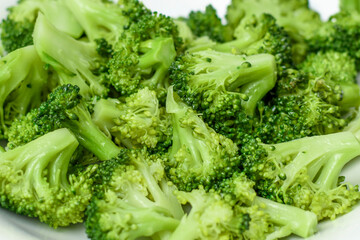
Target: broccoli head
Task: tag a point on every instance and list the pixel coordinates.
(198, 155)
(134, 200)
(136, 122)
(64, 107)
(301, 174)
(227, 89)
(34, 180)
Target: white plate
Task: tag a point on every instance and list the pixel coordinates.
(347, 227)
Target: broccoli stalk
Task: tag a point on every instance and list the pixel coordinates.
(135, 199)
(24, 84)
(34, 180)
(72, 59)
(288, 219)
(138, 121)
(64, 108)
(98, 18)
(19, 25)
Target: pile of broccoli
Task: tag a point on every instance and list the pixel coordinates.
(142, 126)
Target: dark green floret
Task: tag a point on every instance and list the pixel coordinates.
(225, 88)
(65, 107)
(198, 155)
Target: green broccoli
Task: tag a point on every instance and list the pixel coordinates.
(64, 108)
(73, 60)
(304, 172)
(136, 122)
(295, 16)
(261, 34)
(207, 23)
(34, 180)
(340, 33)
(227, 89)
(18, 27)
(134, 200)
(137, 65)
(198, 155)
(24, 84)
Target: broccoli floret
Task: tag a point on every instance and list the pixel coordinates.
(261, 34)
(301, 174)
(266, 219)
(199, 155)
(135, 199)
(295, 16)
(339, 72)
(306, 105)
(64, 108)
(136, 65)
(136, 122)
(24, 84)
(341, 33)
(74, 60)
(225, 88)
(16, 35)
(18, 27)
(207, 23)
(34, 180)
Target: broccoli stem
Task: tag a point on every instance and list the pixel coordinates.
(350, 95)
(300, 222)
(336, 150)
(89, 135)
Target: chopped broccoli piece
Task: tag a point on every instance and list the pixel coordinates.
(207, 23)
(135, 201)
(24, 84)
(198, 155)
(64, 108)
(301, 174)
(34, 180)
(73, 60)
(225, 88)
(136, 122)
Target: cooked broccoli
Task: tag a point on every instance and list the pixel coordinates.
(261, 34)
(136, 122)
(74, 60)
(137, 65)
(64, 108)
(198, 155)
(340, 33)
(18, 27)
(24, 84)
(295, 16)
(34, 180)
(302, 174)
(135, 199)
(207, 23)
(225, 88)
